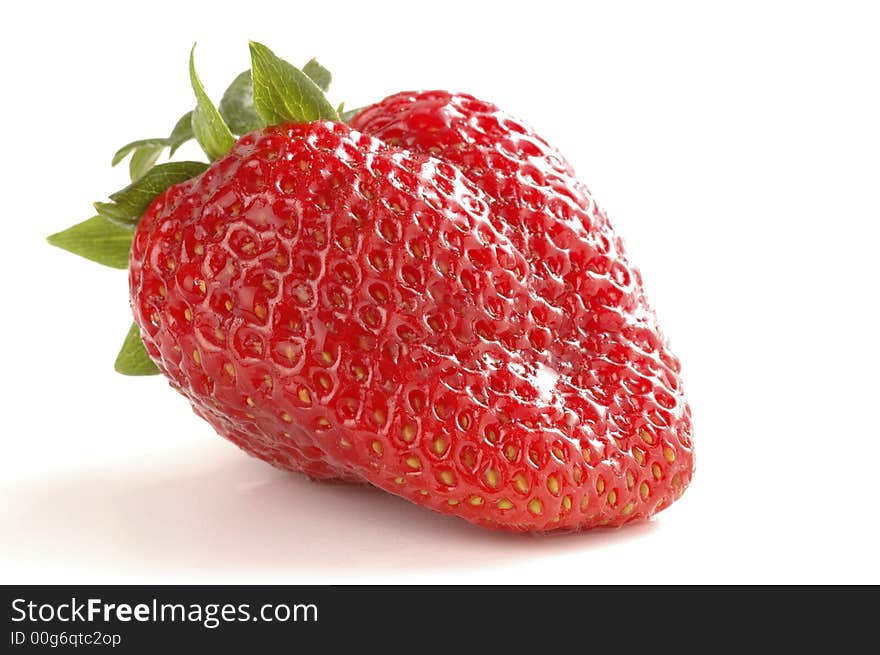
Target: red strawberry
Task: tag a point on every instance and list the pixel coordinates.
(438, 309)
(577, 264)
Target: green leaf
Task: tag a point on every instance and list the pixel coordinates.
(112, 213)
(133, 358)
(143, 159)
(237, 105)
(131, 202)
(96, 239)
(181, 133)
(318, 74)
(211, 131)
(147, 151)
(283, 93)
(122, 153)
(346, 116)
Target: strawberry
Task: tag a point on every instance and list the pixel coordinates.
(426, 300)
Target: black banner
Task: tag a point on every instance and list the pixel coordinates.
(423, 618)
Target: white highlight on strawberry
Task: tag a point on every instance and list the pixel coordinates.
(545, 381)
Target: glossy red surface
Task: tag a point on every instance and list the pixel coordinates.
(454, 322)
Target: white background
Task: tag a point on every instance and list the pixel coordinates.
(736, 148)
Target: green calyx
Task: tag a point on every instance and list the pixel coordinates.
(133, 358)
(272, 91)
(283, 93)
(208, 125)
